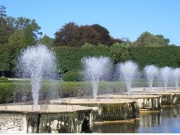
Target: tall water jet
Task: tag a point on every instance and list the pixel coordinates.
(176, 76)
(37, 63)
(165, 74)
(128, 70)
(151, 71)
(95, 69)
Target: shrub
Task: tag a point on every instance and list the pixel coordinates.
(73, 75)
(3, 79)
(6, 92)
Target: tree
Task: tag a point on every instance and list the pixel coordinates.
(46, 40)
(17, 38)
(10, 24)
(29, 28)
(119, 52)
(3, 28)
(148, 39)
(87, 34)
(66, 36)
(73, 35)
(104, 36)
(162, 41)
(3, 32)
(23, 31)
(2, 11)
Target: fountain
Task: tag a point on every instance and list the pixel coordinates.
(151, 72)
(95, 69)
(37, 63)
(165, 74)
(128, 70)
(176, 76)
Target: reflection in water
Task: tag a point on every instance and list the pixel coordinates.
(150, 120)
(117, 127)
(167, 121)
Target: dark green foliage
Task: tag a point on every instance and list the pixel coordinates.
(72, 89)
(6, 92)
(8, 56)
(2, 11)
(159, 56)
(149, 40)
(119, 53)
(46, 40)
(3, 31)
(72, 75)
(69, 58)
(18, 31)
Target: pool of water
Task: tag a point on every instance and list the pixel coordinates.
(167, 121)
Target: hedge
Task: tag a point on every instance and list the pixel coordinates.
(21, 91)
(69, 58)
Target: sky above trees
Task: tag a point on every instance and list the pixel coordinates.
(122, 18)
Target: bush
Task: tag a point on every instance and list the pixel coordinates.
(6, 92)
(3, 79)
(72, 89)
(73, 75)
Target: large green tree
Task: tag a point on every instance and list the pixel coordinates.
(17, 38)
(147, 39)
(2, 11)
(46, 40)
(8, 56)
(12, 30)
(3, 27)
(29, 29)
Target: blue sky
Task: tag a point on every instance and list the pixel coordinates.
(122, 18)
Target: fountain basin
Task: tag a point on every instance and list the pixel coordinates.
(144, 102)
(106, 109)
(168, 97)
(47, 119)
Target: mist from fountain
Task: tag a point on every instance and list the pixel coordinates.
(151, 71)
(176, 76)
(165, 74)
(128, 70)
(37, 63)
(95, 69)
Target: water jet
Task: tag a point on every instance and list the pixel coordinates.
(96, 68)
(37, 63)
(128, 70)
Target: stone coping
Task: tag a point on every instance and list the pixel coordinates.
(44, 108)
(91, 101)
(132, 96)
(115, 121)
(157, 92)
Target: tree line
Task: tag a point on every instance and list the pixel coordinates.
(73, 42)
(24, 32)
